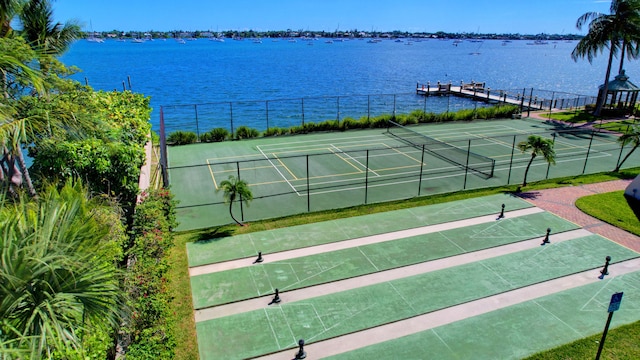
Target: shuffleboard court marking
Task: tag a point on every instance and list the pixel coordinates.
(438, 318)
(385, 276)
(352, 158)
(278, 170)
(557, 318)
(361, 241)
(592, 299)
(273, 331)
(403, 298)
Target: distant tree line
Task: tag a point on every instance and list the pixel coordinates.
(355, 33)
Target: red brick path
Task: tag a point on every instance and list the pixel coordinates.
(561, 201)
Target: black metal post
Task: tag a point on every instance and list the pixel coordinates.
(231, 117)
(241, 207)
(604, 336)
(308, 188)
(366, 178)
(549, 164)
(466, 167)
(195, 109)
(421, 167)
(513, 148)
(267, 112)
(586, 158)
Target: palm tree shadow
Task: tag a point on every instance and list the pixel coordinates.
(213, 234)
(634, 204)
(530, 195)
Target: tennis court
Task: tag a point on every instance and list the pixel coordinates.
(321, 171)
(349, 284)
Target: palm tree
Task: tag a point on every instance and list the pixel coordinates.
(8, 10)
(538, 146)
(58, 272)
(42, 33)
(614, 31)
(630, 137)
(235, 188)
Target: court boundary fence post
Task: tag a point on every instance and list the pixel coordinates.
(240, 199)
(466, 167)
(366, 179)
(513, 148)
(308, 188)
(549, 164)
(586, 158)
(421, 170)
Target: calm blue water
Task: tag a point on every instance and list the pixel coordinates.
(204, 71)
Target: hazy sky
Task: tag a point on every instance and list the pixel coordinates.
(484, 16)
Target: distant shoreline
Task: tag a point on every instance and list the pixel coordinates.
(284, 34)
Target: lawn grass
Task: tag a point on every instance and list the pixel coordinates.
(179, 282)
(613, 208)
(621, 343)
(618, 126)
(574, 117)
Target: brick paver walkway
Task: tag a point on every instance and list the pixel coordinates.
(561, 201)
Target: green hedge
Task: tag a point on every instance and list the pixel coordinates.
(150, 327)
(378, 122)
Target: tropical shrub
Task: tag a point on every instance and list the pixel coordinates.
(182, 138)
(275, 131)
(215, 135)
(245, 132)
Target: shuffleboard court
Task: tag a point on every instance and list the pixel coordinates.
(224, 249)
(222, 287)
(277, 327)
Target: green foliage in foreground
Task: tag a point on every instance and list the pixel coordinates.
(179, 283)
(59, 295)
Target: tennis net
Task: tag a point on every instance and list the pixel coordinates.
(479, 164)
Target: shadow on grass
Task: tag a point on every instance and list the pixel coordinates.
(213, 234)
(634, 204)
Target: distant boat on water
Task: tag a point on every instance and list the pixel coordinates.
(538, 42)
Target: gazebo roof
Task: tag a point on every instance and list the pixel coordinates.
(621, 83)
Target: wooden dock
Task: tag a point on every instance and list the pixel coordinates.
(478, 91)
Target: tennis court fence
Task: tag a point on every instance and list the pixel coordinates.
(317, 190)
(467, 159)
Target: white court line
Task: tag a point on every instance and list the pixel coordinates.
(354, 159)
(278, 170)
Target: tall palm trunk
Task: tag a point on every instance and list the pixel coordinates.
(605, 88)
(618, 166)
(25, 173)
(231, 213)
(526, 171)
(624, 46)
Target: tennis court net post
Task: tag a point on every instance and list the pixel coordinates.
(478, 164)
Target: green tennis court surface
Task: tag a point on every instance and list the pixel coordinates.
(321, 171)
(506, 333)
